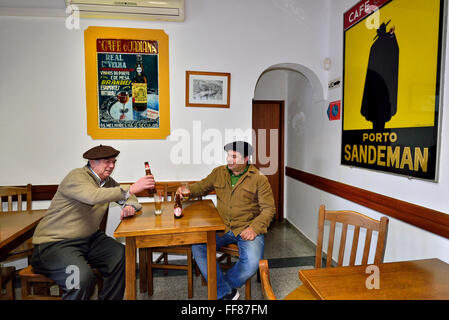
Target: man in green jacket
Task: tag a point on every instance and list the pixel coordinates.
(68, 242)
(245, 203)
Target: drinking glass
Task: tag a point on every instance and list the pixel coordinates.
(123, 97)
(185, 191)
(158, 203)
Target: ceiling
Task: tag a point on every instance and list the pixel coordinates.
(33, 8)
(38, 4)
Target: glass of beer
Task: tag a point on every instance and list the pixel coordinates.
(185, 191)
(158, 203)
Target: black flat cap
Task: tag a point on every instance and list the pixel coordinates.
(242, 147)
(100, 152)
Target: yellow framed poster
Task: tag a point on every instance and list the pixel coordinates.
(127, 83)
(393, 53)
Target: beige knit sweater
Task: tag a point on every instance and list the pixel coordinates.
(79, 205)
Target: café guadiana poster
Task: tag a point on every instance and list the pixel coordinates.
(393, 52)
(127, 84)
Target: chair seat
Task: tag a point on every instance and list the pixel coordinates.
(300, 293)
(42, 291)
(28, 276)
(231, 249)
(28, 272)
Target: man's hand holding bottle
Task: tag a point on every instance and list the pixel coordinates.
(145, 183)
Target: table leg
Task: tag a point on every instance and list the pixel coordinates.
(130, 250)
(211, 266)
(143, 252)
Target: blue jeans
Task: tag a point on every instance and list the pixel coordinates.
(250, 253)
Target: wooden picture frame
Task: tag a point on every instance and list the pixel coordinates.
(208, 89)
(113, 59)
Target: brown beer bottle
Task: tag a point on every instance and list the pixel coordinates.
(148, 172)
(177, 211)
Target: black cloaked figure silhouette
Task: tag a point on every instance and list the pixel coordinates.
(380, 94)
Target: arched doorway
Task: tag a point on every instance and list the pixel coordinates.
(281, 90)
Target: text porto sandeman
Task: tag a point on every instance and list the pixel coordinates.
(139, 87)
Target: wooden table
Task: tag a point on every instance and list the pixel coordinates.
(16, 227)
(198, 225)
(406, 280)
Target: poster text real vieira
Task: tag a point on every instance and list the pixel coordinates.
(391, 86)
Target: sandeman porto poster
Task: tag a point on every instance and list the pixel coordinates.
(391, 86)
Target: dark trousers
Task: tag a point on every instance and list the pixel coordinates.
(69, 263)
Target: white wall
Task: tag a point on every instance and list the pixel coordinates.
(43, 109)
(315, 148)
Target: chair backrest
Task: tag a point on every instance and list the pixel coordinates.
(15, 194)
(357, 220)
(169, 192)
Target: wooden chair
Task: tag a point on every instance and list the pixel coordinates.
(228, 251)
(346, 218)
(15, 198)
(6, 283)
(36, 286)
(15, 193)
(300, 293)
(161, 262)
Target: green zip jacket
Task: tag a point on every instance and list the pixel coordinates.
(249, 204)
(79, 205)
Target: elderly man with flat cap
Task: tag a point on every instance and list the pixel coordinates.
(245, 203)
(68, 241)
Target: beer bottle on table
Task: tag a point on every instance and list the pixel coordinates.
(177, 207)
(139, 87)
(148, 172)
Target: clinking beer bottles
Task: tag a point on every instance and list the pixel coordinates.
(148, 172)
(177, 208)
(139, 87)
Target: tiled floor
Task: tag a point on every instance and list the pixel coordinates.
(286, 249)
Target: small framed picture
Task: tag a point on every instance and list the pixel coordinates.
(208, 89)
